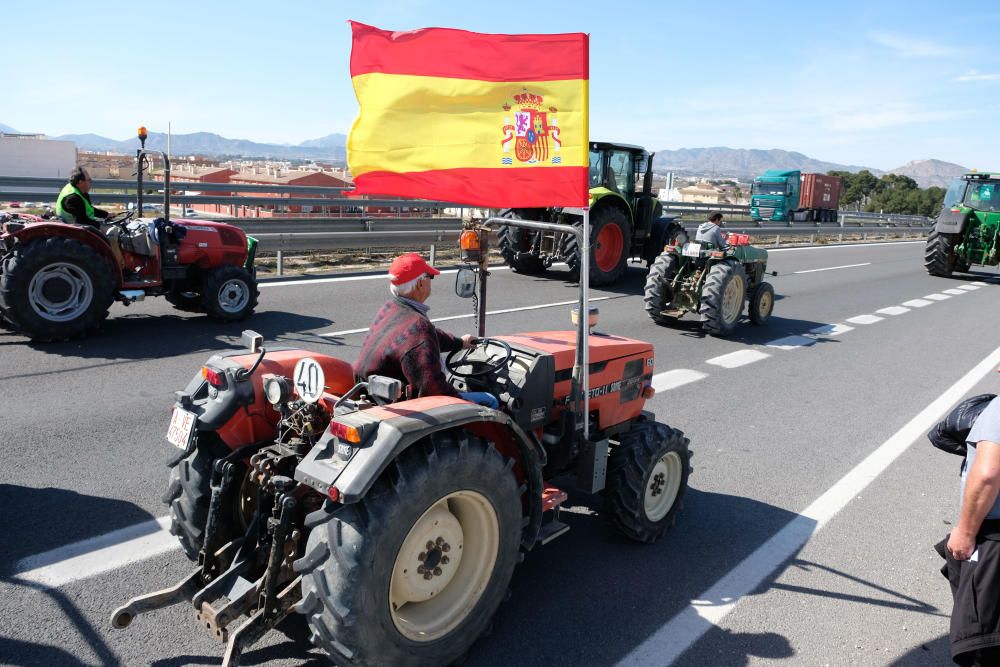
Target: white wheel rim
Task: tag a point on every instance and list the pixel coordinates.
(60, 292)
(732, 299)
(765, 304)
(234, 295)
(662, 487)
(443, 566)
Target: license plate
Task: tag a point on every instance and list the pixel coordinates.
(181, 428)
(692, 250)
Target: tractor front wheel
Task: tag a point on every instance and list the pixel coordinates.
(722, 298)
(761, 303)
(610, 244)
(413, 573)
(647, 476)
(940, 258)
(229, 293)
(659, 293)
(55, 288)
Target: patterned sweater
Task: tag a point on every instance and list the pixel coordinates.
(402, 343)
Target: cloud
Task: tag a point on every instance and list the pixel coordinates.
(909, 47)
(973, 75)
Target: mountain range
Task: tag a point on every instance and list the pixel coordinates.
(740, 163)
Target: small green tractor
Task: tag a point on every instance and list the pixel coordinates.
(695, 278)
(966, 231)
(625, 220)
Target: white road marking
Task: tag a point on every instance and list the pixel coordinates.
(831, 330)
(954, 290)
(676, 378)
(488, 312)
(917, 303)
(937, 297)
(738, 358)
(893, 310)
(846, 245)
(969, 288)
(98, 554)
(864, 319)
(832, 268)
(980, 283)
(791, 342)
(708, 610)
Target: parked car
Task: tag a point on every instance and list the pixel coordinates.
(190, 213)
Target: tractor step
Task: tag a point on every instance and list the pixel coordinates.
(552, 498)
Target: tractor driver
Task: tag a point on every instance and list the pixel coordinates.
(402, 342)
(711, 232)
(73, 204)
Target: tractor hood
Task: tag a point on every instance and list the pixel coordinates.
(562, 346)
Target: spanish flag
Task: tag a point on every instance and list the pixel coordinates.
(495, 121)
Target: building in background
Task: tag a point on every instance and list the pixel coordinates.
(36, 156)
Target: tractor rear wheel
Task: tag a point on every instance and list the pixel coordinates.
(647, 476)
(55, 288)
(610, 244)
(189, 491)
(413, 573)
(658, 293)
(515, 248)
(761, 303)
(722, 298)
(229, 293)
(940, 258)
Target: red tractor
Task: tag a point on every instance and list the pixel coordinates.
(58, 279)
(395, 525)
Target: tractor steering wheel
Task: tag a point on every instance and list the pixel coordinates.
(485, 368)
(119, 218)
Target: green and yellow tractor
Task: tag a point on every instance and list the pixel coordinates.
(966, 230)
(626, 220)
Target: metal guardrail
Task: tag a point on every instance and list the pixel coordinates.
(358, 227)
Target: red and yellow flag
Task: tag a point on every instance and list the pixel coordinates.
(484, 120)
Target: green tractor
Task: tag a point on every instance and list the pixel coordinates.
(695, 278)
(966, 230)
(626, 220)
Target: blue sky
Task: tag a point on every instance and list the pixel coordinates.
(866, 83)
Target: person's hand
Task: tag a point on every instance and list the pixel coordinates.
(469, 341)
(961, 544)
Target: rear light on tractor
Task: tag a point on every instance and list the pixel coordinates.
(648, 392)
(345, 432)
(214, 377)
(333, 493)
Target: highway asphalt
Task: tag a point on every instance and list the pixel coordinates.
(756, 572)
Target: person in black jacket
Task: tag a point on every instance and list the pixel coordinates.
(972, 552)
(73, 204)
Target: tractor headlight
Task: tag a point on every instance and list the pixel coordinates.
(277, 390)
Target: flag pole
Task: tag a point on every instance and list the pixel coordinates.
(585, 319)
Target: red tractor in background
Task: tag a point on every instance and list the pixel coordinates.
(58, 279)
(395, 525)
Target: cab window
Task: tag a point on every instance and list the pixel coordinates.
(620, 165)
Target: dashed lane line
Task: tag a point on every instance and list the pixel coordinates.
(917, 303)
(791, 342)
(954, 291)
(864, 319)
(466, 316)
(93, 556)
(738, 358)
(668, 643)
(678, 377)
(833, 268)
(969, 288)
(893, 310)
(937, 297)
(830, 330)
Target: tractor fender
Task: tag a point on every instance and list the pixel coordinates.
(601, 197)
(389, 430)
(663, 230)
(88, 236)
(951, 221)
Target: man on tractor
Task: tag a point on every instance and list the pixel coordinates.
(73, 204)
(402, 342)
(711, 231)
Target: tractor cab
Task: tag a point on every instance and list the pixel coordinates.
(626, 171)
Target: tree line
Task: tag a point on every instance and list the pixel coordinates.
(892, 193)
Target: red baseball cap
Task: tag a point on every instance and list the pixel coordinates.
(409, 266)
